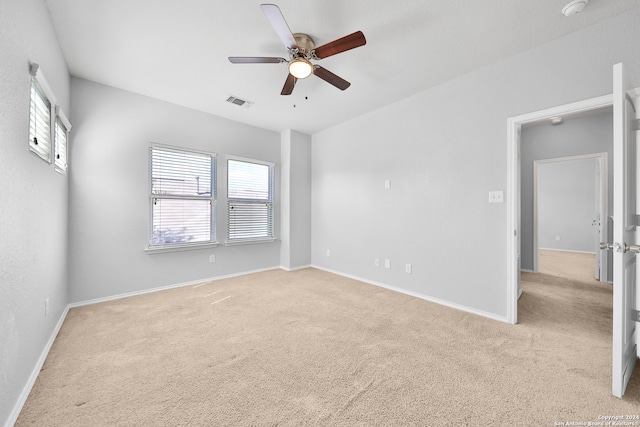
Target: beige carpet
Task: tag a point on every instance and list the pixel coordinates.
(311, 348)
(572, 265)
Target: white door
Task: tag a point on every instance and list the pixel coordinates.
(597, 222)
(624, 232)
(518, 233)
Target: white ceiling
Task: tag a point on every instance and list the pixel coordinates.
(176, 50)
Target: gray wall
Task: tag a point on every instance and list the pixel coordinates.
(444, 150)
(33, 201)
(567, 205)
(295, 249)
(109, 201)
(585, 135)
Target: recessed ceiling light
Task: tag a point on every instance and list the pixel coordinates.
(574, 7)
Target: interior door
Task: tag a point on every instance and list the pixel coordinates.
(624, 232)
(597, 222)
(518, 233)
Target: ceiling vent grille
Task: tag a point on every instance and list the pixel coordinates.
(239, 101)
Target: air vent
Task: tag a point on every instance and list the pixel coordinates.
(240, 102)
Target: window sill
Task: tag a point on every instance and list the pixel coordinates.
(151, 250)
(39, 155)
(248, 241)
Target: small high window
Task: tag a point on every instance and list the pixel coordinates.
(61, 130)
(48, 126)
(40, 121)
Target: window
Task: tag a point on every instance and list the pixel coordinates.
(40, 121)
(48, 133)
(60, 138)
(182, 195)
(250, 187)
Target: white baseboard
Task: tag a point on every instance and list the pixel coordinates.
(417, 295)
(567, 250)
(17, 408)
(164, 288)
(302, 267)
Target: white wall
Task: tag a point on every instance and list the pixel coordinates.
(109, 201)
(33, 202)
(443, 150)
(567, 205)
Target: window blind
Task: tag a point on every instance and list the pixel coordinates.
(177, 221)
(182, 197)
(39, 122)
(60, 145)
(250, 201)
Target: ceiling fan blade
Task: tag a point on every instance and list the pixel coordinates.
(331, 78)
(289, 84)
(351, 41)
(279, 24)
(255, 60)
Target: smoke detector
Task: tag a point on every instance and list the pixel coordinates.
(575, 7)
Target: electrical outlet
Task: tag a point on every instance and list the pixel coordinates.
(407, 268)
(212, 259)
(46, 307)
(496, 196)
(376, 262)
(557, 238)
(387, 263)
(387, 184)
(328, 252)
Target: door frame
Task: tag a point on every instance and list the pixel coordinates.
(602, 194)
(514, 127)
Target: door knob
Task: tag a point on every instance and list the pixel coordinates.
(620, 247)
(632, 248)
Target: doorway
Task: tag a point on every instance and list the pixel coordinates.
(624, 217)
(570, 206)
(514, 177)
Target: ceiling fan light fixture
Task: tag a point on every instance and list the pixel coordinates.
(300, 68)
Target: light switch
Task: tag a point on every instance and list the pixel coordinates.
(496, 196)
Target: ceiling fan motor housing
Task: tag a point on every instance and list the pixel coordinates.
(305, 43)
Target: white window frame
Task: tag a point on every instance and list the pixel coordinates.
(269, 201)
(170, 247)
(61, 147)
(39, 85)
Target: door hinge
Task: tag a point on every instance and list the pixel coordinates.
(635, 315)
(637, 124)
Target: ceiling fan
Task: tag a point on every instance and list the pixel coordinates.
(302, 50)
